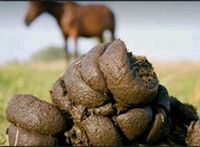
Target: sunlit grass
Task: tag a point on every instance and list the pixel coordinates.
(181, 79)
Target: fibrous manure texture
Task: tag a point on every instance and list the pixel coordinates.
(193, 134)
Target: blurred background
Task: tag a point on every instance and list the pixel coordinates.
(167, 33)
(160, 30)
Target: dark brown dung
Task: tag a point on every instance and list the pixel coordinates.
(30, 113)
(20, 137)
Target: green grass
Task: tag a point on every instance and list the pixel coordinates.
(181, 79)
(50, 53)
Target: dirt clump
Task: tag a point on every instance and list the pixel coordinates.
(106, 97)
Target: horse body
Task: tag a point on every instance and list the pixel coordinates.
(76, 20)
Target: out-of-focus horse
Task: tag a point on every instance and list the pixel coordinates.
(75, 20)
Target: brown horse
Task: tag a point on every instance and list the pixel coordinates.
(75, 20)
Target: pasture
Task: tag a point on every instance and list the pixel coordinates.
(181, 79)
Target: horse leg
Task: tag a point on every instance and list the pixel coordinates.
(112, 35)
(100, 38)
(67, 55)
(76, 47)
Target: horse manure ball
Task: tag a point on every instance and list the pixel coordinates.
(101, 131)
(20, 137)
(32, 114)
(134, 122)
(157, 126)
(59, 96)
(131, 79)
(91, 72)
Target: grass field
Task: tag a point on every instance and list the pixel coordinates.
(181, 79)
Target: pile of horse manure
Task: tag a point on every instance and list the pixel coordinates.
(106, 97)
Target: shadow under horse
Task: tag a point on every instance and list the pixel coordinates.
(75, 20)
